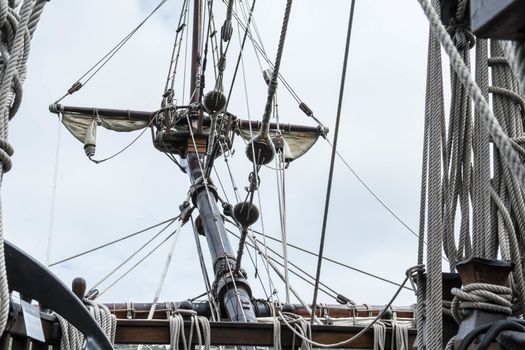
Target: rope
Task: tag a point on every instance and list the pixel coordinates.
(114, 241)
(481, 296)
(328, 259)
(379, 335)
(515, 53)
(499, 138)
(198, 324)
(73, 339)
(164, 272)
(272, 86)
(16, 22)
(410, 273)
(107, 57)
(332, 160)
(53, 193)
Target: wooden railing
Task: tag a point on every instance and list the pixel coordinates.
(222, 333)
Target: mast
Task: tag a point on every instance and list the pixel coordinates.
(196, 52)
(232, 291)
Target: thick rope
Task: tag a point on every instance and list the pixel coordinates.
(272, 86)
(499, 138)
(481, 296)
(515, 53)
(16, 29)
(73, 339)
(198, 325)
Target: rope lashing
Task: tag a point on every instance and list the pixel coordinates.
(481, 296)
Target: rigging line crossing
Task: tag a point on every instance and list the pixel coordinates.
(409, 274)
(163, 275)
(165, 270)
(332, 160)
(329, 259)
(268, 61)
(106, 58)
(133, 254)
(240, 56)
(328, 291)
(281, 276)
(174, 61)
(114, 241)
(136, 264)
(214, 307)
(208, 197)
(257, 274)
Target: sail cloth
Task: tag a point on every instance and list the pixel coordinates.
(295, 143)
(84, 127)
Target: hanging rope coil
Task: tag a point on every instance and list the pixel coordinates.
(481, 296)
(73, 339)
(198, 325)
(515, 53)
(17, 25)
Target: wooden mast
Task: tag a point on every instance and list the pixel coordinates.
(233, 292)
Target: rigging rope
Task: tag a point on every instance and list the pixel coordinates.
(327, 259)
(272, 86)
(17, 25)
(73, 339)
(135, 265)
(457, 166)
(135, 253)
(332, 160)
(53, 194)
(410, 273)
(114, 241)
(107, 57)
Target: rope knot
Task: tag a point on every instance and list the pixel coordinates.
(6, 151)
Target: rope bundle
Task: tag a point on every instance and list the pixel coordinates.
(481, 296)
(73, 339)
(18, 21)
(199, 324)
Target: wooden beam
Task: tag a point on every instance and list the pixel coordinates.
(247, 334)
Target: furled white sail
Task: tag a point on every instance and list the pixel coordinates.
(84, 127)
(296, 143)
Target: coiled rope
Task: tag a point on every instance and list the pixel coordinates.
(73, 339)
(17, 25)
(515, 53)
(481, 296)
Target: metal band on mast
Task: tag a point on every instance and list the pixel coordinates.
(232, 291)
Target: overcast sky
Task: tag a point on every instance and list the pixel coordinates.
(381, 137)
